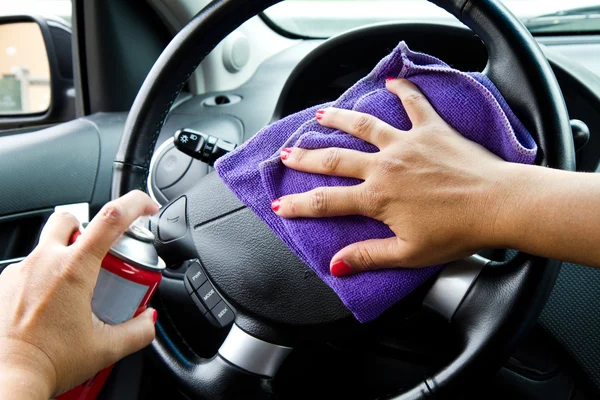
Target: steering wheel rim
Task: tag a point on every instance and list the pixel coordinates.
(507, 296)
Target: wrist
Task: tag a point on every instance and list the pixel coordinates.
(20, 384)
(508, 202)
(24, 373)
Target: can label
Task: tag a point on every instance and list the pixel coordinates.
(116, 299)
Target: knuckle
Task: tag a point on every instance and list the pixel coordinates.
(289, 204)
(413, 99)
(112, 213)
(70, 273)
(331, 160)
(372, 200)
(319, 201)
(390, 164)
(298, 156)
(363, 124)
(66, 217)
(365, 258)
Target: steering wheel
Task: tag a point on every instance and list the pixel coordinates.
(489, 305)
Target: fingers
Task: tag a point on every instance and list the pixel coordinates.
(418, 108)
(112, 220)
(118, 341)
(320, 202)
(369, 255)
(332, 161)
(363, 126)
(58, 229)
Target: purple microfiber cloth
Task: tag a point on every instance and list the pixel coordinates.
(469, 102)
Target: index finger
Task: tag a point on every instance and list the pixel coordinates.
(112, 220)
(418, 108)
(361, 125)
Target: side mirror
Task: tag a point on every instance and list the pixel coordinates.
(36, 72)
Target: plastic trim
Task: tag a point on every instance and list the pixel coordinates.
(157, 154)
(252, 354)
(453, 284)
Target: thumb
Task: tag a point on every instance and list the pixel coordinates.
(128, 337)
(369, 255)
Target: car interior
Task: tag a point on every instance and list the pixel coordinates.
(97, 96)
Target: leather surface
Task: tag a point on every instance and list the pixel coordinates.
(202, 378)
(257, 273)
(506, 300)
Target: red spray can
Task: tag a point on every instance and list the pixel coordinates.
(130, 274)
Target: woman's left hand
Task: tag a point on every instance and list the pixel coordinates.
(50, 340)
(437, 191)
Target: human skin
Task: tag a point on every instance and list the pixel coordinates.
(444, 197)
(50, 340)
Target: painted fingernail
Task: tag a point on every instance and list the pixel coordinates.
(285, 153)
(275, 205)
(340, 268)
(154, 316)
(320, 114)
(389, 79)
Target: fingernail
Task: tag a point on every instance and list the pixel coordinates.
(320, 114)
(340, 268)
(389, 79)
(275, 205)
(154, 316)
(285, 153)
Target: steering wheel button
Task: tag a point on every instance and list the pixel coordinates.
(188, 286)
(208, 295)
(198, 303)
(195, 276)
(222, 314)
(172, 223)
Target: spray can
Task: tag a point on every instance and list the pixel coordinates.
(129, 275)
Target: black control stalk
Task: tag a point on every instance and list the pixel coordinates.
(201, 146)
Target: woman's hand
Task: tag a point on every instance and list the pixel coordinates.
(49, 339)
(436, 190)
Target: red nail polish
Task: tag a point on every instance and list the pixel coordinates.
(285, 153)
(320, 114)
(275, 205)
(154, 316)
(340, 268)
(389, 79)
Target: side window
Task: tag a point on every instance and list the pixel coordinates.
(36, 65)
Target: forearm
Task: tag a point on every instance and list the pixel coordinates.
(550, 213)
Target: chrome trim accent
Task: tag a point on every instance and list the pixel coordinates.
(81, 211)
(453, 284)
(6, 263)
(252, 354)
(153, 162)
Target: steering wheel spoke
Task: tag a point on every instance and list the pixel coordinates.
(252, 354)
(452, 285)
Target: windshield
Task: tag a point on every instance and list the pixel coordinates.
(325, 18)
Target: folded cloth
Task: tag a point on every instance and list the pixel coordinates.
(469, 102)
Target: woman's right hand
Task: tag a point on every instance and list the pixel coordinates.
(437, 191)
(444, 196)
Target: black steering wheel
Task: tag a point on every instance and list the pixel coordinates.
(278, 305)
